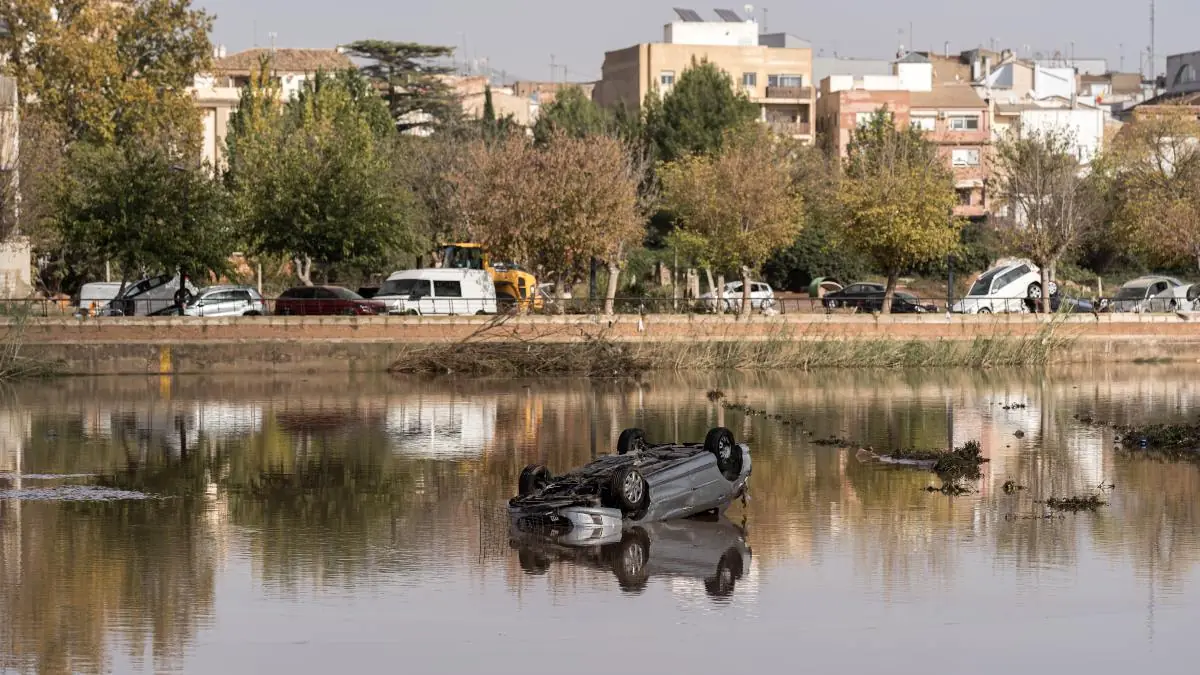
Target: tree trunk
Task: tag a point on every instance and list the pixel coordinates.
(712, 286)
(719, 293)
(746, 307)
(1044, 303)
(614, 281)
(890, 291)
(303, 265)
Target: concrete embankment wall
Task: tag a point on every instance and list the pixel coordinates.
(331, 344)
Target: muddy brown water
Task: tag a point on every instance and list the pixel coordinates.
(314, 525)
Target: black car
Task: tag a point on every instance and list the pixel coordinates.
(868, 297)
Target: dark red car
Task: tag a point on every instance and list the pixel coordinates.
(325, 301)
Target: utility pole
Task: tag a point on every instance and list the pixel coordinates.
(1121, 49)
(553, 72)
(1153, 67)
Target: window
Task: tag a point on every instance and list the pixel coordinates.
(1011, 276)
(420, 288)
(667, 78)
(302, 293)
(447, 289)
(243, 296)
(924, 123)
(224, 296)
(965, 157)
(749, 79)
(323, 293)
(964, 123)
(785, 80)
(964, 196)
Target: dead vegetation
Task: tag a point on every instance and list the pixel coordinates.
(1174, 441)
(1075, 504)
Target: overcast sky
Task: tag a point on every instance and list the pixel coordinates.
(520, 36)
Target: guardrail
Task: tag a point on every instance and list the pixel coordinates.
(908, 304)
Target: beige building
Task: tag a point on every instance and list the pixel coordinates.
(217, 93)
(774, 70)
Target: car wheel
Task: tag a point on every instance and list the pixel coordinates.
(631, 440)
(729, 570)
(285, 312)
(1173, 306)
(630, 558)
(628, 490)
(985, 310)
(480, 313)
(253, 313)
(831, 304)
(720, 443)
(533, 478)
(533, 563)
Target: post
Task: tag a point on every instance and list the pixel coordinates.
(107, 272)
(258, 272)
(949, 282)
(592, 282)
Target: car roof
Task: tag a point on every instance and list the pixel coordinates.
(435, 273)
(227, 287)
(1148, 279)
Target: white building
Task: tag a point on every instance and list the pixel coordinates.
(1082, 122)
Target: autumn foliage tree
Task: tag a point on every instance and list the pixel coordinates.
(1052, 201)
(556, 205)
(897, 196)
(1153, 173)
(735, 208)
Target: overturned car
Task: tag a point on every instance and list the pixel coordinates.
(642, 483)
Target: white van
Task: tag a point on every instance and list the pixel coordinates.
(439, 291)
(95, 296)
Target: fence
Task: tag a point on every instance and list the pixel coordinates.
(907, 304)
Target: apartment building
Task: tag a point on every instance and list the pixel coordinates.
(953, 116)
(217, 93)
(774, 70)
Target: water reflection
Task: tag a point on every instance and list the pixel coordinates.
(307, 492)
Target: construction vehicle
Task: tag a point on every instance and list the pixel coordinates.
(515, 286)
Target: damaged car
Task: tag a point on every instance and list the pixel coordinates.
(642, 483)
(713, 550)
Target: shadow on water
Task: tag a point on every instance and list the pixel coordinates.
(346, 488)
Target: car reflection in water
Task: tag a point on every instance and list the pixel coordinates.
(711, 549)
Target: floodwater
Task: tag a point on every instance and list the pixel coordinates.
(314, 525)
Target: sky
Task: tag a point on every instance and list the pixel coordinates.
(522, 37)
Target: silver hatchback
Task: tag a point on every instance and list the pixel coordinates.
(226, 301)
(642, 483)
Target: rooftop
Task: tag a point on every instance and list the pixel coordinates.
(284, 60)
(943, 96)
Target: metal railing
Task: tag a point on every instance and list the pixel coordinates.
(786, 304)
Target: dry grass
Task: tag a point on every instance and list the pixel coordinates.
(13, 365)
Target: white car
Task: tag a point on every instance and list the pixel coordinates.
(761, 297)
(1153, 294)
(1004, 288)
(445, 291)
(226, 301)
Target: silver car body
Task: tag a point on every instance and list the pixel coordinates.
(762, 296)
(226, 301)
(683, 480)
(715, 551)
(1151, 294)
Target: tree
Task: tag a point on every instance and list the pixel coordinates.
(696, 113)
(1153, 177)
(736, 208)
(412, 81)
(574, 114)
(898, 199)
(317, 185)
(104, 71)
(135, 205)
(1051, 201)
(556, 206)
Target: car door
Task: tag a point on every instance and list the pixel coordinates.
(760, 295)
(322, 302)
(213, 304)
(1160, 299)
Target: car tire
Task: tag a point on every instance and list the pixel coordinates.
(1173, 306)
(1034, 292)
(728, 453)
(253, 313)
(985, 310)
(629, 491)
(729, 570)
(629, 560)
(631, 440)
(831, 304)
(533, 478)
(481, 313)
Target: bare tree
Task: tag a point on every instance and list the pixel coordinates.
(1051, 201)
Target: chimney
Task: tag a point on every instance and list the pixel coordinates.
(221, 52)
(946, 49)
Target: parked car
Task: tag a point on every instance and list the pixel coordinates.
(714, 551)
(1063, 303)
(641, 483)
(1152, 293)
(94, 298)
(868, 297)
(226, 301)
(450, 291)
(147, 297)
(324, 301)
(1004, 288)
(761, 297)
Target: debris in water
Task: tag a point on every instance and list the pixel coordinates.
(1176, 441)
(715, 395)
(1019, 434)
(1010, 487)
(1073, 504)
(72, 493)
(45, 476)
(957, 464)
(833, 441)
(1013, 406)
(952, 489)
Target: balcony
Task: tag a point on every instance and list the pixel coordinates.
(790, 128)
(790, 93)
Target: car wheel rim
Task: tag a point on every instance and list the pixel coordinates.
(632, 560)
(632, 488)
(725, 450)
(726, 577)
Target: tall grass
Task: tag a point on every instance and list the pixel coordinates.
(13, 364)
(782, 350)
